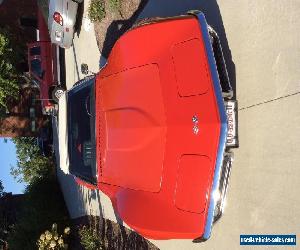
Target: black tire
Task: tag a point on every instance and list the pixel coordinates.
(78, 1)
(57, 92)
(193, 12)
(147, 20)
(151, 20)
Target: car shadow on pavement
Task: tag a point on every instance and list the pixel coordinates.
(91, 200)
(166, 8)
(118, 27)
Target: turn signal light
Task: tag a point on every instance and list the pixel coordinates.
(58, 18)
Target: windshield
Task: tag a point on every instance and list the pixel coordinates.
(36, 67)
(81, 131)
(35, 51)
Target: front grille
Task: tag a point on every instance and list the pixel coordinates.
(220, 62)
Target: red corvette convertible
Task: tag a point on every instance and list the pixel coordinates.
(154, 128)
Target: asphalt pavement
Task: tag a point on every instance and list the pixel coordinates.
(261, 45)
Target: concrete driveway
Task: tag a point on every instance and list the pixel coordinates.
(261, 45)
(84, 49)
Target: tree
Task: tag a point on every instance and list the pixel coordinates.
(43, 205)
(31, 164)
(2, 223)
(1, 189)
(9, 88)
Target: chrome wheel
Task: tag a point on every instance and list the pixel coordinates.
(58, 93)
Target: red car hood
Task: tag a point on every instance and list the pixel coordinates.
(133, 128)
(158, 129)
(134, 122)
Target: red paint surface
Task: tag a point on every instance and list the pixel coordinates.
(134, 124)
(190, 193)
(156, 171)
(185, 73)
(48, 60)
(86, 184)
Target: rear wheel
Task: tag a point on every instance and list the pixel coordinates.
(57, 93)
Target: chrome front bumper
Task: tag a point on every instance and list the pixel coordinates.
(224, 159)
(220, 193)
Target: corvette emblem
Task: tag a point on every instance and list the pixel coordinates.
(195, 121)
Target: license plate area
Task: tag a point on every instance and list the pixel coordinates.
(232, 135)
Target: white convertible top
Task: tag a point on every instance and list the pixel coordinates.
(63, 134)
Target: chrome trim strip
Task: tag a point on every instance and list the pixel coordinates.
(223, 118)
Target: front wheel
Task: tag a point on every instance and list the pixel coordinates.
(57, 93)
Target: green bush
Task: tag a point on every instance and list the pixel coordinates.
(90, 240)
(96, 10)
(52, 240)
(43, 205)
(114, 4)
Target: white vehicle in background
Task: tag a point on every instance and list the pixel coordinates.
(61, 21)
